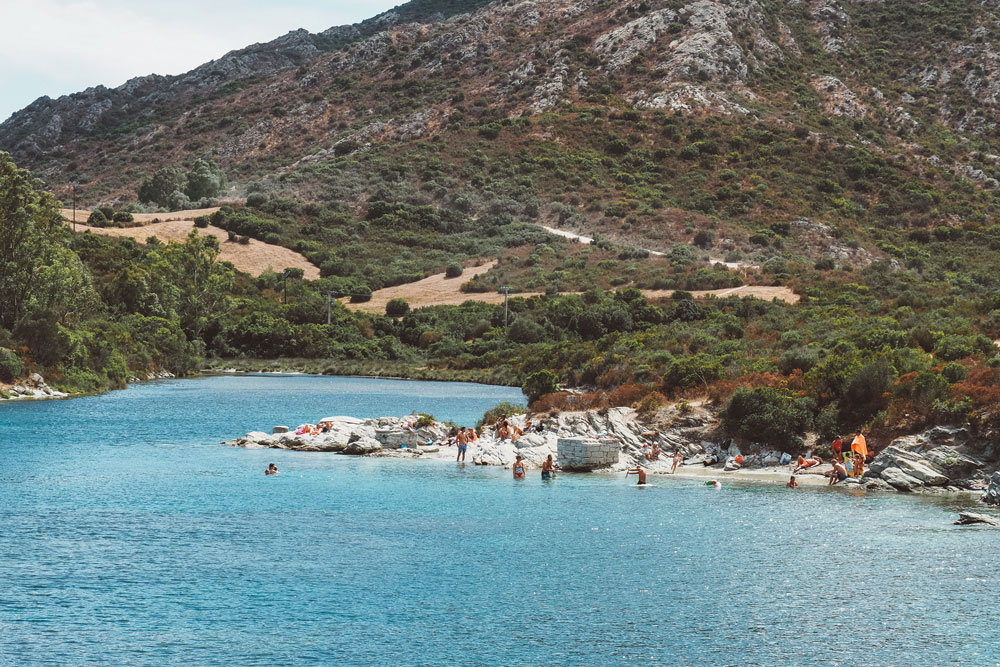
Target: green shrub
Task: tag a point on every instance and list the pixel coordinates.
(953, 372)
(768, 416)
(505, 408)
(97, 218)
(703, 239)
(201, 221)
(689, 371)
(10, 366)
(123, 216)
(540, 383)
(424, 420)
(454, 270)
(397, 308)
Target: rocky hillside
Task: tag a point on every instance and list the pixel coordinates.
(917, 82)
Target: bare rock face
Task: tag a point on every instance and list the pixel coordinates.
(939, 457)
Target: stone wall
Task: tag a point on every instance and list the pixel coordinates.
(587, 453)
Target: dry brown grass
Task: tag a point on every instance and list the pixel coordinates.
(253, 258)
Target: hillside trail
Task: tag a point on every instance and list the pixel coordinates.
(253, 258)
(437, 290)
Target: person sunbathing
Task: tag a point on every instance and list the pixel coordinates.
(807, 463)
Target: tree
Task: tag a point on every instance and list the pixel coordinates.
(204, 180)
(397, 308)
(29, 225)
(163, 183)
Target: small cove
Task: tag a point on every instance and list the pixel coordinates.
(131, 536)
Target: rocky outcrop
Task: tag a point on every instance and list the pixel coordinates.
(992, 495)
(974, 519)
(32, 387)
(943, 457)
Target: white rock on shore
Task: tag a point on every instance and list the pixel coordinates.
(34, 387)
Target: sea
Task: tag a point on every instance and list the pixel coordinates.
(129, 535)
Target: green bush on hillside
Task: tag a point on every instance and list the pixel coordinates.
(768, 416)
(10, 366)
(397, 308)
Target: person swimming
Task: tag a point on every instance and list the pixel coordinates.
(271, 470)
(792, 484)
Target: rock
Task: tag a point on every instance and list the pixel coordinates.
(973, 519)
(992, 495)
(922, 471)
(363, 446)
(899, 479)
(279, 429)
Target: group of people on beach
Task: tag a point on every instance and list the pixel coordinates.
(846, 462)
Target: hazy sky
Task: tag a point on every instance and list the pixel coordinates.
(57, 47)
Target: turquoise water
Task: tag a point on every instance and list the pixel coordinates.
(130, 536)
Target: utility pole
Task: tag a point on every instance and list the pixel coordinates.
(329, 303)
(506, 294)
(284, 286)
(74, 207)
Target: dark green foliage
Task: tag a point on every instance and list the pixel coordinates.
(10, 365)
(454, 270)
(505, 409)
(122, 216)
(768, 416)
(540, 383)
(953, 372)
(397, 308)
(97, 218)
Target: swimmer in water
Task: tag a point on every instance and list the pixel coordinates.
(548, 468)
(792, 484)
(519, 468)
(271, 470)
(637, 470)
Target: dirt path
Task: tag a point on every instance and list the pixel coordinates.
(253, 258)
(440, 291)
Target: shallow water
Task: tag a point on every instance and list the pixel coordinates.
(130, 536)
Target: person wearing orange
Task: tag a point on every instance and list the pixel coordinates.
(807, 463)
(837, 446)
(859, 445)
(859, 451)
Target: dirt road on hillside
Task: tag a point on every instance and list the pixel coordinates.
(253, 258)
(440, 291)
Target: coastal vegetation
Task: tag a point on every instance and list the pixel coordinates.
(820, 155)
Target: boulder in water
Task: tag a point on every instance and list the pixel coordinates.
(974, 519)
